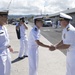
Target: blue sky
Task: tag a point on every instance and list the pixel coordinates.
(21, 7)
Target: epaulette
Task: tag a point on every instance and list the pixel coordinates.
(35, 29)
(68, 29)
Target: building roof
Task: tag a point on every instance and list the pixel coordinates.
(68, 11)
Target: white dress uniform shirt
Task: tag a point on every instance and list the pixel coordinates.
(4, 38)
(68, 37)
(33, 50)
(5, 59)
(34, 35)
(22, 31)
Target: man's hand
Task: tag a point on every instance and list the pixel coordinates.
(11, 49)
(26, 27)
(52, 48)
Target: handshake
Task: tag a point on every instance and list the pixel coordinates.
(52, 48)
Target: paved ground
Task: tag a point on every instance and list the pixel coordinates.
(50, 63)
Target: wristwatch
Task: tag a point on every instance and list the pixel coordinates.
(8, 46)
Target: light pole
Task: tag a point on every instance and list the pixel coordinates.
(44, 8)
(9, 4)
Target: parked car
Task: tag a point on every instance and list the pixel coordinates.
(26, 22)
(14, 23)
(47, 23)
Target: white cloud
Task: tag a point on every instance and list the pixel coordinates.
(57, 5)
(36, 6)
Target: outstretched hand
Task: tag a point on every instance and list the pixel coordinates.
(11, 49)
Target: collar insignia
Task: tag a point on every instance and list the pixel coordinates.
(68, 29)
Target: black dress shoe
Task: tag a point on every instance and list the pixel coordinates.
(20, 57)
(25, 56)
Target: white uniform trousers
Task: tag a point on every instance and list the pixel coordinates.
(5, 62)
(33, 60)
(70, 63)
(23, 47)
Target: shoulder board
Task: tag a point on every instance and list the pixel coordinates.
(35, 29)
(68, 29)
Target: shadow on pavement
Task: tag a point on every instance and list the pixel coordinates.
(15, 52)
(16, 60)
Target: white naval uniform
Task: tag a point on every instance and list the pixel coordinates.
(33, 50)
(5, 62)
(23, 42)
(68, 37)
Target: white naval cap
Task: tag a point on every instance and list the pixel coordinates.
(38, 17)
(4, 12)
(65, 16)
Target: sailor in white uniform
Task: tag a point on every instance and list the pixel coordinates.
(68, 42)
(33, 44)
(23, 39)
(5, 48)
